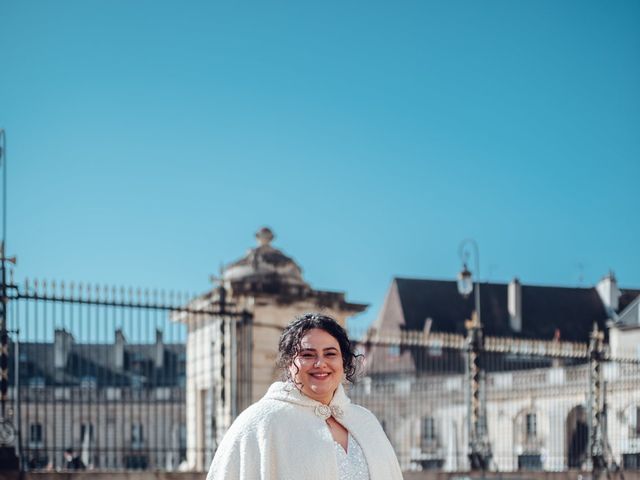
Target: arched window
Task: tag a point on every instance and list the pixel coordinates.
(577, 437)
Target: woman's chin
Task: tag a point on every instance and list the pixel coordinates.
(322, 394)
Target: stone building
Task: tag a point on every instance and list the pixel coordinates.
(536, 419)
(118, 405)
(536, 404)
(231, 356)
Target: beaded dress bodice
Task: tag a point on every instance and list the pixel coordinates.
(351, 464)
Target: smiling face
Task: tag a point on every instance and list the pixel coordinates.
(318, 369)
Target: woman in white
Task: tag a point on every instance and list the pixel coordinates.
(306, 428)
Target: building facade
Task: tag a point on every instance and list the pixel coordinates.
(231, 357)
(536, 375)
(117, 406)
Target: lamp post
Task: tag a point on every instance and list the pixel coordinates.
(479, 446)
(597, 404)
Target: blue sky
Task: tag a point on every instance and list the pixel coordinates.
(149, 140)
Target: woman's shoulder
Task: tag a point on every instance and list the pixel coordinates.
(361, 411)
(263, 414)
(262, 410)
(364, 420)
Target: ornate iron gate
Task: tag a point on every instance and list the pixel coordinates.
(102, 371)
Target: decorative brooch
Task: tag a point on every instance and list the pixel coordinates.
(326, 411)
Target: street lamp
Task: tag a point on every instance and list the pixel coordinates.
(479, 446)
(465, 277)
(465, 281)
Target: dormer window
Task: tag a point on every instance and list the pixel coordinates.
(36, 382)
(137, 381)
(88, 381)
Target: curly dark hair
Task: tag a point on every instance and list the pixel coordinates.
(289, 344)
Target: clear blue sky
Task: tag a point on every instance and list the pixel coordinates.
(149, 140)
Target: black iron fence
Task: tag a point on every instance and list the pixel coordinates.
(459, 403)
(102, 372)
(106, 372)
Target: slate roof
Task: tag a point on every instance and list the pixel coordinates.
(95, 363)
(410, 302)
(572, 310)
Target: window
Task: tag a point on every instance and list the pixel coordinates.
(136, 462)
(633, 421)
(530, 461)
(137, 382)
(432, 464)
(428, 430)
(393, 350)
(35, 435)
(88, 381)
(435, 350)
(182, 442)
(86, 429)
(163, 393)
(113, 393)
(62, 393)
(36, 382)
(530, 425)
(137, 357)
(631, 461)
(137, 435)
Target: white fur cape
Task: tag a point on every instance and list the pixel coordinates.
(281, 438)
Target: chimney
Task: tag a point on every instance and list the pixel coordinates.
(118, 350)
(158, 357)
(514, 305)
(62, 343)
(609, 293)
